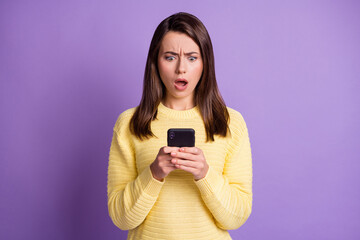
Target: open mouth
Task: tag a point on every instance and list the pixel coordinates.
(181, 82)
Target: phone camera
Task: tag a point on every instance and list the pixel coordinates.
(172, 135)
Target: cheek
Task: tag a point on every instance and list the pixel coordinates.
(164, 70)
(198, 71)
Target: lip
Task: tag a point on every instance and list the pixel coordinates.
(179, 84)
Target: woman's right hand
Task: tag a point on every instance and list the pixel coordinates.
(162, 165)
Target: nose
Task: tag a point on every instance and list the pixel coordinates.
(181, 68)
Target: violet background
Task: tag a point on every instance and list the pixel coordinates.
(69, 68)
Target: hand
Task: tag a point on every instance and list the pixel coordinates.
(162, 165)
(192, 160)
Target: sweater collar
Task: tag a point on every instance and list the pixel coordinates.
(178, 114)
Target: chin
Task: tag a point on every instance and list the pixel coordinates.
(180, 96)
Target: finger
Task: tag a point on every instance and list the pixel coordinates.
(183, 155)
(167, 164)
(172, 167)
(187, 169)
(186, 163)
(164, 160)
(193, 150)
(170, 149)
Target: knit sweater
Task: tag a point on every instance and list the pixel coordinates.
(179, 207)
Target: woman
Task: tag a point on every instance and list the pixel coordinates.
(161, 192)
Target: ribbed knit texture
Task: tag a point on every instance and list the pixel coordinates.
(179, 207)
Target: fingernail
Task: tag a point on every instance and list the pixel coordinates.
(173, 153)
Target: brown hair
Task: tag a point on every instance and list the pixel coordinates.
(207, 95)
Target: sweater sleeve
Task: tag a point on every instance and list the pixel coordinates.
(228, 196)
(131, 195)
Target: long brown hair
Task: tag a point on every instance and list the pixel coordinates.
(207, 94)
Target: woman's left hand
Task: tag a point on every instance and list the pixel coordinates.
(192, 160)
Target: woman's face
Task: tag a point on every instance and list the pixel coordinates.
(180, 66)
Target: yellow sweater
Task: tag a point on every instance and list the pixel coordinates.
(179, 207)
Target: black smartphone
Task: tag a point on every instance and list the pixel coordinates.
(181, 137)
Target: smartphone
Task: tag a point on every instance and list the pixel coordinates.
(181, 137)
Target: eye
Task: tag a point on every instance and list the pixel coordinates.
(192, 58)
(170, 58)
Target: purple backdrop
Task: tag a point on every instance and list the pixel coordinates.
(68, 69)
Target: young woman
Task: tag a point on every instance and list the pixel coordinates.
(160, 192)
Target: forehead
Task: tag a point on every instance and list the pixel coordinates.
(175, 41)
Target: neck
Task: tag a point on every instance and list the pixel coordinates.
(179, 104)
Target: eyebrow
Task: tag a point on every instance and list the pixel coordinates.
(174, 53)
